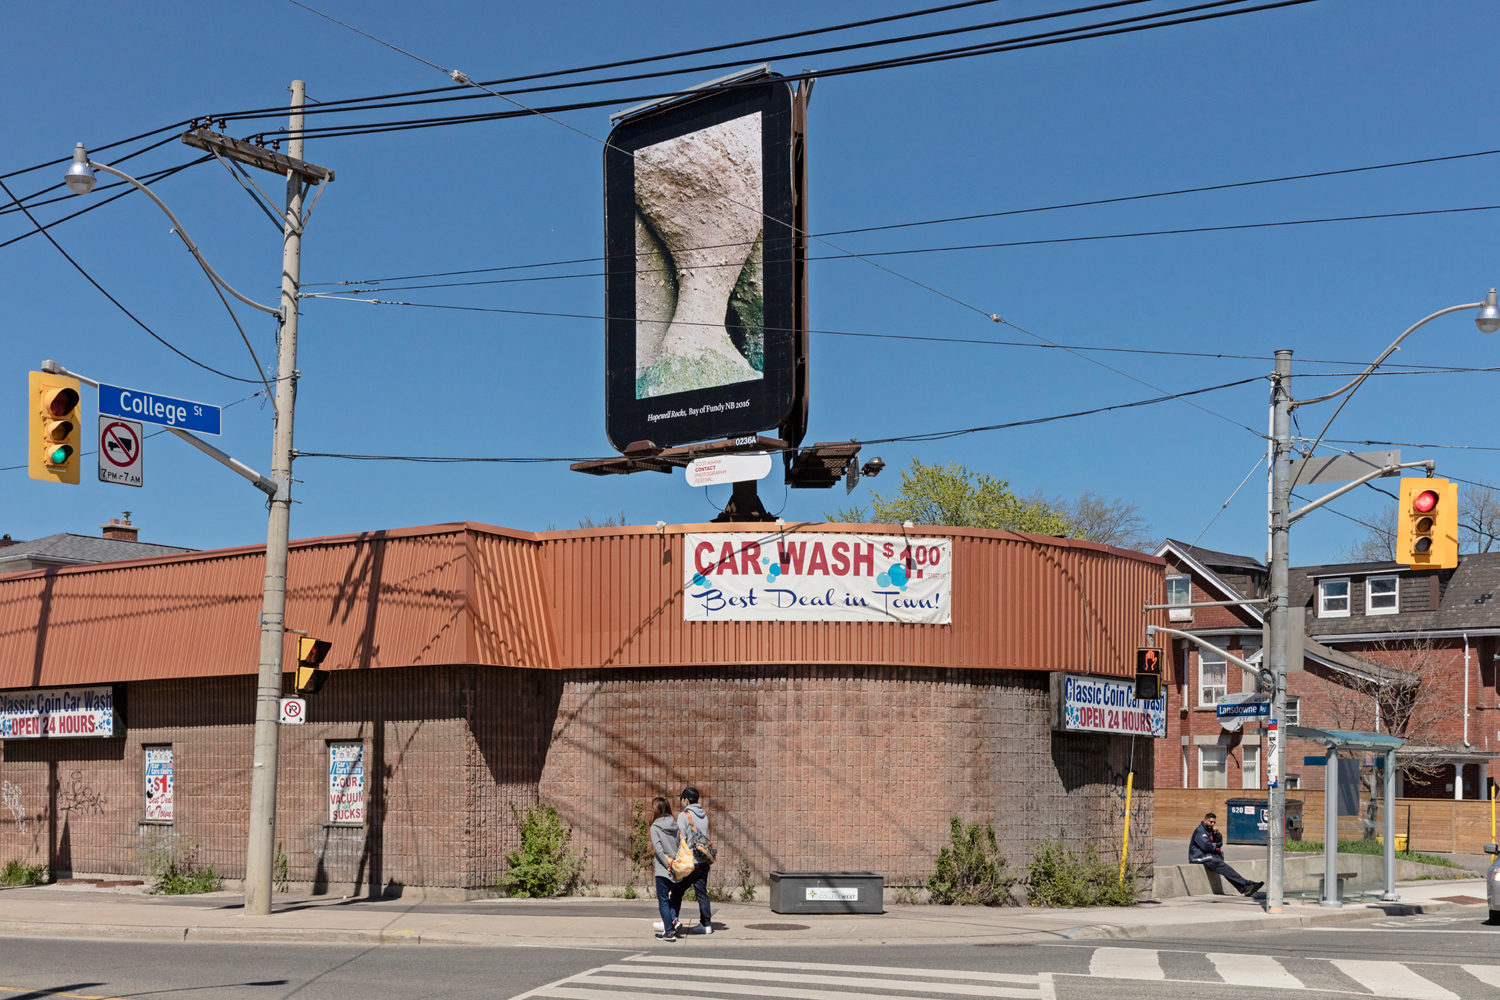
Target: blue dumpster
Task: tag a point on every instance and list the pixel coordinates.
(1249, 821)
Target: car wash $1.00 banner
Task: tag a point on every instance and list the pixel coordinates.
(812, 577)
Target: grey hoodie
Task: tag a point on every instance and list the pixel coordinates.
(700, 819)
(664, 841)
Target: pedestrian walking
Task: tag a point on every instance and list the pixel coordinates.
(1207, 849)
(694, 819)
(664, 843)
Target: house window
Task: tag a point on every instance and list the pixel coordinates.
(1250, 773)
(1381, 595)
(1179, 591)
(1248, 654)
(346, 783)
(1333, 598)
(159, 784)
(1213, 679)
(1211, 767)
(1293, 716)
(1292, 782)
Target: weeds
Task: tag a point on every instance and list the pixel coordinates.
(15, 873)
(971, 870)
(747, 880)
(281, 871)
(1059, 877)
(545, 864)
(175, 869)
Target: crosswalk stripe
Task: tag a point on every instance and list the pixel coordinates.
(960, 989)
(1253, 970)
(1392, 979)
(886, 970)
(788, 993)
(1125, 963)
(1487, 974)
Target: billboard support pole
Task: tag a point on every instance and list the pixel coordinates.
(744, 505)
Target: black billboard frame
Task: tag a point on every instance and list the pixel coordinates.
(741, 408)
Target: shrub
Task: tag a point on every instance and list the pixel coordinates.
(282, 876)
(175, 869)
(545, 864)
(17, 873)
(1370, 847)
(1059, 877)
(971, 870)
(747, 880)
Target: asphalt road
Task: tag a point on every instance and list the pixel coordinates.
(1441, 957)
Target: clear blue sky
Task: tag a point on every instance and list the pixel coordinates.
(1324, 86)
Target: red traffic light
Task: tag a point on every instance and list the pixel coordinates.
(1425, 501)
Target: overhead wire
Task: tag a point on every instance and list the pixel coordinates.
(98, 204)
(920, 437)
(79, 267)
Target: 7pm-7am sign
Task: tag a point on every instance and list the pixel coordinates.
(154, 408)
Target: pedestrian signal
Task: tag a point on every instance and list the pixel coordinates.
(56, 423)
(1427, 531)
(310, 654)
(1147, 673)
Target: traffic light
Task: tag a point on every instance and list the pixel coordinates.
(1147, 673)
(1427, 532)
(56, 428)
(310, 653)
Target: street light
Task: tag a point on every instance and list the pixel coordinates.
(1277, 638)
(80, 176)
(300, 176)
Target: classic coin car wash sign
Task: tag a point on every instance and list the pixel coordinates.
(1082, 703)
(57, 712)
(812, 577)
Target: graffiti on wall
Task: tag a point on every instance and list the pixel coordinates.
(75, 794)
(10, 796)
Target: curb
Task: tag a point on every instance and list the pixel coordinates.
(1084, 932)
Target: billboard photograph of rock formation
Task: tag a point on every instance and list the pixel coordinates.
(700, 274)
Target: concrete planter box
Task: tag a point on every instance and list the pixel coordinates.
(827, 892)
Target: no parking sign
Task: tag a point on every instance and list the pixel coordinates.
(120, 459)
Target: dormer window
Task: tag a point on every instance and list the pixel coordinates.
(1381, 596)
(1333, 598)
(1179, 591)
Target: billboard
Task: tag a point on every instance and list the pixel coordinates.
(1084, 703)
(700, 291)
(817, 577)
(58, 712)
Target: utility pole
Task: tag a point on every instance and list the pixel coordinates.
(259, 857)
(1276, 617)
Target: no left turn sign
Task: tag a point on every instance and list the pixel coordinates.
(120, 459)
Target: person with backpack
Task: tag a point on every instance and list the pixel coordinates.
(692, 826)
(665, 841)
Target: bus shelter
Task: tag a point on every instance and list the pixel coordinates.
(1343, 740)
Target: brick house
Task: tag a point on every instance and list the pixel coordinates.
(1372, 629)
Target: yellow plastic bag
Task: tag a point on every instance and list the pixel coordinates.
(683, 864)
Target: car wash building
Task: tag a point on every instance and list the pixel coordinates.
(837, 692)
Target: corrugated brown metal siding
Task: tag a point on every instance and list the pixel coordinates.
(384, 599)
(512, 620)
(1020, 602)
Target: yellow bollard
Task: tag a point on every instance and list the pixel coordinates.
(1492, 822)
(1125, 844)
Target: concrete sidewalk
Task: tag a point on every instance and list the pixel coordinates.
(575, 922)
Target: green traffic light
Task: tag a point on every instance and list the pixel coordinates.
(60, 455)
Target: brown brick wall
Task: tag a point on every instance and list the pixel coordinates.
(801, 767)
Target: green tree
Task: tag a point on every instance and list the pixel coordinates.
(953, 496)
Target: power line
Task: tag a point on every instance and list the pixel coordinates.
(1408, 444)
(116, 301)
(99, 204)
(946, 249)
(922, 437)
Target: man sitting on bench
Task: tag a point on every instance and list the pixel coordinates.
(1207, 849)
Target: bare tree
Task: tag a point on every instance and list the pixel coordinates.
(608, 522)
(1114, 522)
(1408, 693)
(1478, 517)
(1378, 544)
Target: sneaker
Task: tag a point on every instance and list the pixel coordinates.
(665, 936)
(705, 928)
(1252, 889)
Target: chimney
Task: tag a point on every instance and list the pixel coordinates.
(121, 530)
